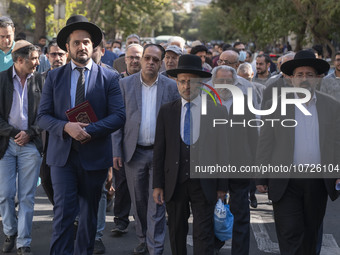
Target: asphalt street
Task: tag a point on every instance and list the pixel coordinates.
(263, 239)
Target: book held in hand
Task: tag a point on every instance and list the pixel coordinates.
(82, 113)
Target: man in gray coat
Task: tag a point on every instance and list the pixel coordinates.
(143, 94)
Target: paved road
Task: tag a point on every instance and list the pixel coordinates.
(263, 239)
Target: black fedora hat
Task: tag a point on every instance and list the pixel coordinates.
(189, 64)
(305, 58)
(79, 22)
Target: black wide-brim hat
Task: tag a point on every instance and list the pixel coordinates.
(189, 64)
(79, 22)
(305, 58)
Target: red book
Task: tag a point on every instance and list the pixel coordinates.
(82, 113)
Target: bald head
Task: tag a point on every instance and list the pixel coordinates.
(229, 58)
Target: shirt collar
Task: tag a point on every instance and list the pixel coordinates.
(196, 101)
(88, 66)
(144, 84)
(312, 100)
(16, 75)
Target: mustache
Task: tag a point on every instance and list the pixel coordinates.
(305, 83)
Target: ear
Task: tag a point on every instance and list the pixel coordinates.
(67, 47)
(103, 51)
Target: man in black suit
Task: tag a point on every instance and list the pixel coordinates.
(175, 144)
(299, 204)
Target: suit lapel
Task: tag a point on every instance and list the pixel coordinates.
(160, 91)
(138, 93)
(177, 124)
(92, 80)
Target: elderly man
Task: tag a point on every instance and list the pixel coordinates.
(300, 204)
(143, 93)
(231, 58)
(20, 145)
(119, 64)
(79, 153)
(331, 83)
(243, 142)
(172, 54)
(133, 56)
(6, 42)
(179, 130)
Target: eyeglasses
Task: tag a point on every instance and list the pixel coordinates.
(54, 54)
(154, 59)
(131, 58)
(225, 62)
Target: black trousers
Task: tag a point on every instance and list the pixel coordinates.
(178, 208)
(122, 203)
(239, 207)
(298, 216)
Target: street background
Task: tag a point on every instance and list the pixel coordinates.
(263, 239)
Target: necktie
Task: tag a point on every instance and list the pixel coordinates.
(187, 125)
(80, 93)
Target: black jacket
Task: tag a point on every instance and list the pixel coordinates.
(34, 85)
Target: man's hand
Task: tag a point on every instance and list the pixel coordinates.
(117, 163)
(22, 138)
(76, 131)
(262, 188)
(158, 196)
(221, 194)
(337, 181)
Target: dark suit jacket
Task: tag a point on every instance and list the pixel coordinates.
(34, 86)
(167, 149)
(276, 144)
(104, 95)
(124, 141)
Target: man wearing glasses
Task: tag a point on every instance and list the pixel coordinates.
(56, 56)
(133, 57)
(143, 94)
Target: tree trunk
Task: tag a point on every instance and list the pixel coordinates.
(40, 18)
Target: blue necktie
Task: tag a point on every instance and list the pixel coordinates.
(187, 124)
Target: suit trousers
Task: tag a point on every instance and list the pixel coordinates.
(149, 217)
(239, 207)
(178, 208)
(122, 205)
(76, 191)
(298, 216)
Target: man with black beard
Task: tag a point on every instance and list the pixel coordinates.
(79, 154)
(262, 68)
(300, 204)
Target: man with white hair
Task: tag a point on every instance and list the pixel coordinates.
(243, 141)
(119, 64)
(177, 40)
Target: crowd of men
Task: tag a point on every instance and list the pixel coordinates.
(145, 130)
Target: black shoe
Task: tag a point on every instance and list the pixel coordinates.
(253, 201)
(119, 228)
(9, 243)
(24, 251)
(140, 249)
(99, 247)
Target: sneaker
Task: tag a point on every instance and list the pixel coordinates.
(9, 243)
(99, 247)
(140, 249)
(119, 228)
(24, 251)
